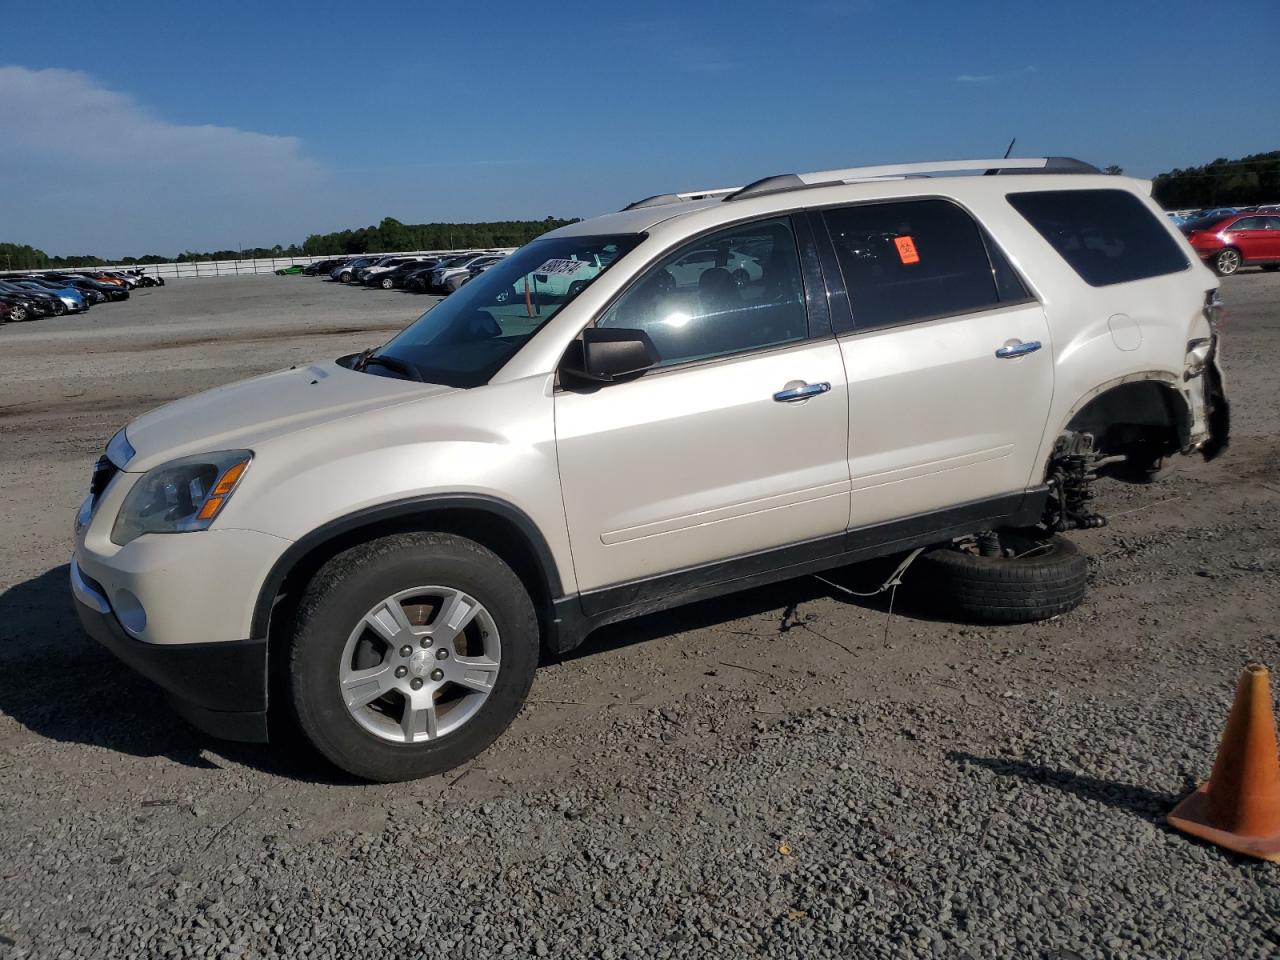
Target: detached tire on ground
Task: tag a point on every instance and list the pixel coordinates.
(410, 655)
(1040, 580)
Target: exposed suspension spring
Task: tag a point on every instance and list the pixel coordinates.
(1073, 471)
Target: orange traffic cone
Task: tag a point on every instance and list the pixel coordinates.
(1239, 807)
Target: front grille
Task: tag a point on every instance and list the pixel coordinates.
(103, 471)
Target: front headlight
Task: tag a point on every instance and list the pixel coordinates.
(181, 495)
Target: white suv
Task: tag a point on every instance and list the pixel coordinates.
(703, 393)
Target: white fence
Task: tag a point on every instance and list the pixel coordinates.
(236, 268)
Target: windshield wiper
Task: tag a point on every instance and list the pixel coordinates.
(368, 358)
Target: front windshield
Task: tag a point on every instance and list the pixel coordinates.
(465, 339)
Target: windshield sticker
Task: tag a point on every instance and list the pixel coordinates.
(561, 268)
(906, 249)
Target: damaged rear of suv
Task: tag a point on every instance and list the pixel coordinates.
(699, 394)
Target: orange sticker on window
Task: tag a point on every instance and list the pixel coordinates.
(906, 249)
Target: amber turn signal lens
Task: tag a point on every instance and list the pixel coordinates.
(228, 480)
(210, 508)
(221, 490)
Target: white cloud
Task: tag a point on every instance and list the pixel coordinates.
(86, 169)
(994, 77)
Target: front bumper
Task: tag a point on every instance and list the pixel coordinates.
(220, 688)
(176, 608)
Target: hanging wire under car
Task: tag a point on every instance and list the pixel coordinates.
(895, 578)
(894, 581)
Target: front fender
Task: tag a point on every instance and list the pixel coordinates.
(495, 442)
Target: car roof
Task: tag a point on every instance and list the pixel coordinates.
(800, 190)
(635, 220)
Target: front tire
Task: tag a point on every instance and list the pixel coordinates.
(410, 655)
(1034, 578)
(1226, 261)
(387, 283)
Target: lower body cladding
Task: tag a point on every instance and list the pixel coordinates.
(178, 609)
(219, 687)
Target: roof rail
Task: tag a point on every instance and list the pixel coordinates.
(822, 178)
(661, 198)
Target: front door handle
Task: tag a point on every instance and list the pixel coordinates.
(799, 390)
(1018, 348)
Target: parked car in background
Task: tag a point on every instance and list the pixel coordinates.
(418, 278)
(346, 272)
(289, 271)
(375, 262)
(106, 278)
(395, 276)
(73, 299)
(461, 279)
(322, 268)
(374, 274)
(109, 291)
(1214, 212)
(435, 281)
(1227, 243)
(45, 303)
(35, 306)
(441, 276)
(559, 280)
(16, 309)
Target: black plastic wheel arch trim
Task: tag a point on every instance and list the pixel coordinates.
(398, 510)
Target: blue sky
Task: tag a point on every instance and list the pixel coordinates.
(190, 127)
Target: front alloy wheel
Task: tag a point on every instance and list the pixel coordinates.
(420, 664)
(1226, 262)
(410, 654)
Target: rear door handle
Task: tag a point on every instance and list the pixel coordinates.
(802, 391)
(1018, 348)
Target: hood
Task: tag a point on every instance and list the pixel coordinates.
(250, 412)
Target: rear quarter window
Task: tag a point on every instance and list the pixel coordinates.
(1107, 236)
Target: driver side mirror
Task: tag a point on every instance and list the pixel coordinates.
(608, 355)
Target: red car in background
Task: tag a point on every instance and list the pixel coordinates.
(1228, 243)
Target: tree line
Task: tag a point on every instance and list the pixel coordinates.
(1221, 183)
(389, 236)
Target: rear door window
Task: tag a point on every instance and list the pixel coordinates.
(917, 259)
(1107, 236)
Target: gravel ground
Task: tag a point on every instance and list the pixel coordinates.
(782, 773)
